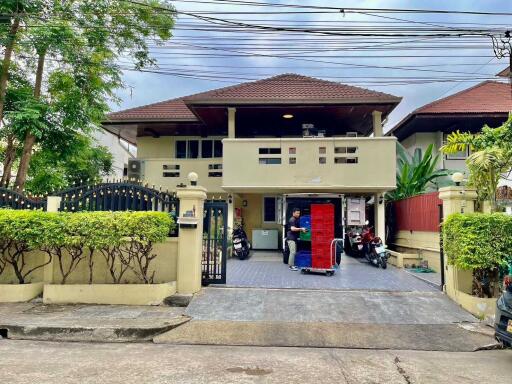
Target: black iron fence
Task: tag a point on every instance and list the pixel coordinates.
(16, 200)
(115, 196)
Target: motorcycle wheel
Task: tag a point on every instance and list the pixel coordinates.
(384, 263)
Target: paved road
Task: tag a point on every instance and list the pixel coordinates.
(264, 270)
(27, 362)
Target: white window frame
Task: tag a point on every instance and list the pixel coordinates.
(276, 213)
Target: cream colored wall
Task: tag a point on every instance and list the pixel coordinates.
(253, 214)
(423, 244)
(32, 260)
(155, 148)
(157, 152)
(164, 265)
(375, 171)
(153, 173)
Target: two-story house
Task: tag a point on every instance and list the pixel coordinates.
(257, 144)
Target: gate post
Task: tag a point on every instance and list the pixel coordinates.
(52, 205)
(456, 199)
(190, 240)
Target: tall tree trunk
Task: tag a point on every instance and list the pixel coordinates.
(7, 62)
(10, 156)
(30, 139)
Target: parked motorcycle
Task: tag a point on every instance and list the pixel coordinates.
(241, 245)
(374, 249)
(353, 243)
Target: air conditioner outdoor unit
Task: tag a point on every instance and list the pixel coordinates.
(136, 169)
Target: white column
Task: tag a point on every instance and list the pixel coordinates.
(379, 207)
(190, 241)
(231, 122)
(231, 214)
(53, 203)
(377, 124)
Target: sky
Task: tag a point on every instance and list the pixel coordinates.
(428, 65)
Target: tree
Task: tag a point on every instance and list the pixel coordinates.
(415, 174)
(490, 160)
(74, 47)
(52, 170)
(11, 14)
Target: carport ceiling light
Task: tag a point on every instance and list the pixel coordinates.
(288, 116)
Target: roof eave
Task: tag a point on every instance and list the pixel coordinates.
(226, 102)
(149, 120)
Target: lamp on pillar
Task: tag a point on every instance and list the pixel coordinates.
(192, 177)
(458, 178)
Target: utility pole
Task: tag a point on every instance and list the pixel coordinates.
(502, 46)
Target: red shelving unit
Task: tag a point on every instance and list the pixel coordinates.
(322, 234)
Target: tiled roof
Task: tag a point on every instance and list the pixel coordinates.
(504, 73)
(486, 97)
(282, 89)
(292, 88)
(174, 109)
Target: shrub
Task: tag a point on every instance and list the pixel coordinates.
(125, 239)
(22, 232)
(479, 242)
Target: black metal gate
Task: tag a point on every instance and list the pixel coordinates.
(215, 242)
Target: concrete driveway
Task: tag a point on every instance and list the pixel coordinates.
(266, 304)
(266, 270)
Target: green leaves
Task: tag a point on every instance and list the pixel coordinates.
(478, 241)
(415, 174)
(73, 159)
(78, 45)
(491, 157)
(70, 235)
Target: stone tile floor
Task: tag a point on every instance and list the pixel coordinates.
(266, 270)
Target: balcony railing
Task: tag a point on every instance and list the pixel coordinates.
(306, 164)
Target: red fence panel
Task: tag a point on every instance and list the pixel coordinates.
(418, 213)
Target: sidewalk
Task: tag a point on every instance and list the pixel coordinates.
(99, 323)
(329, 319)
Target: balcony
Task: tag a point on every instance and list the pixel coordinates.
(362, 165)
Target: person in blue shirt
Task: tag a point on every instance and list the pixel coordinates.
(292, 236)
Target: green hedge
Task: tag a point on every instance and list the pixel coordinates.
(125, 240)
(478, 241)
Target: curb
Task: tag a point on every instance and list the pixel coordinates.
(426, 281)
(88, 334)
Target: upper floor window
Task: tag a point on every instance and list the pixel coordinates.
(270, 151)
(211, 148)
(193, 149)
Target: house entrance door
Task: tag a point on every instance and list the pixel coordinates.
(215, 232)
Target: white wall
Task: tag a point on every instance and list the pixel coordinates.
(120, 149)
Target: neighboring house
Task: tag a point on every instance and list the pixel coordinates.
(258, 144)
(469, 110)
(121, 150)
